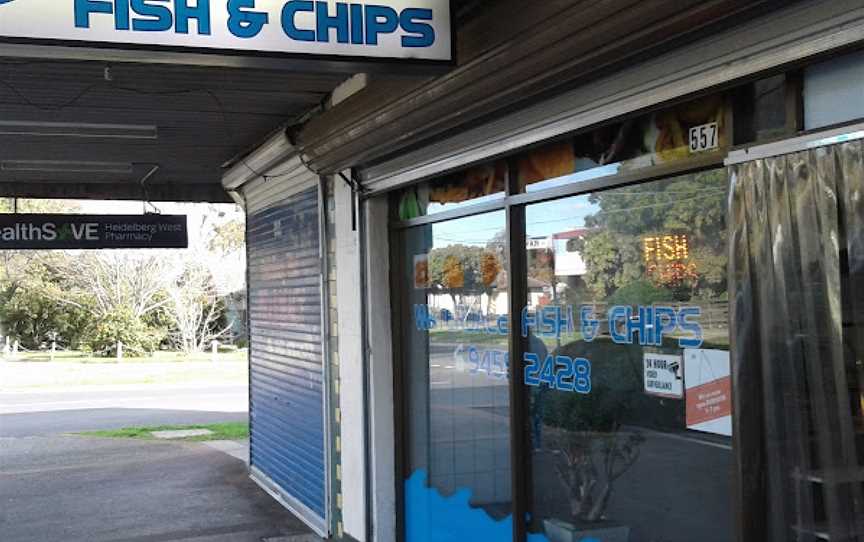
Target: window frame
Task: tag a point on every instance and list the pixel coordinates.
(514, 204)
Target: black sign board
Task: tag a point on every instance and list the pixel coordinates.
(46, 232)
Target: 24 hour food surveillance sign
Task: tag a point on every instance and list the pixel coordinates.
(391, 29)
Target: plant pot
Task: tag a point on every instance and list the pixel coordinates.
(561, 531)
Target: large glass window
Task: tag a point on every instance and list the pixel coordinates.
(454, 359)
(627, 364)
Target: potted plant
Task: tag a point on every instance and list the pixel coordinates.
(588, 444)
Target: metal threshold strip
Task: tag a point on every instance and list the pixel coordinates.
(823, 138)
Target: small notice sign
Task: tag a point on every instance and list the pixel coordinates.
(663, 376)
(709, 391)
(54, 231)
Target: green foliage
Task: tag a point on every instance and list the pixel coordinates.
(122, 326)
(640, 292)
(690, 204)
(456, 269)
(228, 237)
(612, 260)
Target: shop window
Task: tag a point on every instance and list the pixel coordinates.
(627, 366)
(760, 110)
(454, 357)
(833, 92)
(657, 138)
(482, 183)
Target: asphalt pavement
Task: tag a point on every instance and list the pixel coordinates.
(50, 412)
(57, 486)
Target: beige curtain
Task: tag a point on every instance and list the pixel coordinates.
(797, 314)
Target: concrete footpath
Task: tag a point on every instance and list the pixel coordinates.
(80, 489)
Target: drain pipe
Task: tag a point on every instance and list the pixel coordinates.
(364, 338)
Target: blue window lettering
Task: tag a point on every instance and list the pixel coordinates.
(547, 372)
(423, 319)
(503, 325)
(289, 24)
(641, 325)
(687, 326)
(83, 9)
(473, 360)
(532, 367)
(380, 20)
(326, 22)
(565, 371)
(420, 33)
(200, 12)
(528, 321)
(590, 326)
(665, 322)
(244, 23)
(158, 18)
(618, 317)
(582, 382)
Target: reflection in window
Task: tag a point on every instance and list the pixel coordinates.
(658, 138)
(627, 366)
(455, 356)
(476, 185)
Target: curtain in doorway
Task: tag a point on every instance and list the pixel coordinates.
(797, 315)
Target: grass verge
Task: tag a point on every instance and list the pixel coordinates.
(221, 431)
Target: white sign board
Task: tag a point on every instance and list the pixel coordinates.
(384, 29)
(541, 243)
(708, 384)
(663, 376)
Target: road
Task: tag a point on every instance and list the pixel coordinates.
(58, 486)
(48, 412)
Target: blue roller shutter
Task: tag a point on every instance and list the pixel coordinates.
(288, 450)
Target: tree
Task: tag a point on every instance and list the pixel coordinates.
(195, 309)
(122, 326)
(693, 205)
(116, 281)
(455, 269)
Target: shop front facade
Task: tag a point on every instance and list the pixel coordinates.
(628, 309)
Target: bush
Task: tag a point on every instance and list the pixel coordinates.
(125, 327)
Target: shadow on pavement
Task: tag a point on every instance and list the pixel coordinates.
(74, 488)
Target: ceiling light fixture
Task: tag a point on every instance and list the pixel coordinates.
(62, 166)
(75, 129)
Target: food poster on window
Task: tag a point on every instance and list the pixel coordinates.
(708, 391)
(421, 271)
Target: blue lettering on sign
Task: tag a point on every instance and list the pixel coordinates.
(419, 34)
(242, 21)
(358, 24)
(150, 15)
(346, 23)
(560, 373)
(289, 15)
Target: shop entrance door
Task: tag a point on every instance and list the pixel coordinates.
(797, 301)
(454, 363)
